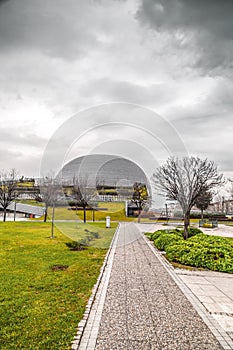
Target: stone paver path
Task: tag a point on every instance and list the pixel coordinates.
(215, 291)
(144, 308)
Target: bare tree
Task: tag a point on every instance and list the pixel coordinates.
(218, 202)
(8, 185)
(83, 194)
(140, 197)
(230, 188)
(203, 201)
(184, 180)
(49, 191)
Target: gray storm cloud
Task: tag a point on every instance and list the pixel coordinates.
(207, 24)
(60, 57)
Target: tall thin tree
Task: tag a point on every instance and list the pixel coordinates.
(49, 191)
(83, 194)
(203, 201)
(140, 197)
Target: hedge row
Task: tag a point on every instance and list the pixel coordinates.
(200, 250)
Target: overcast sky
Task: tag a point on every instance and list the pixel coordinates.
(59, 57)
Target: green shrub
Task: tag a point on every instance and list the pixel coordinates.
(88, 238)
(197, 215)
(83, 243)
(213, 253)
(192, 231)
(92, 234)
(95, 235)
(217, 241)
(166, 239)
(156, 234)
(199, 250)
(77, 245)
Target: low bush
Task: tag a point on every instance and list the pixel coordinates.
(95, 235)
(156, 234)
(192, 231)
(92, 234)
(197, 215)
(84, 242)
(77, 245)
(199, 250)
(202, 254)
(166, 239)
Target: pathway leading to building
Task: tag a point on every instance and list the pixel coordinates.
(140, 306)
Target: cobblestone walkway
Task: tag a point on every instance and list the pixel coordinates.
(144, 308)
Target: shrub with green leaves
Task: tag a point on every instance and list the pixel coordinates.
(77, 245)
(199, 250)
(193, 231)
(202, 254)
(92, 234)
(166, 239)
(95, 235)
(156, 234)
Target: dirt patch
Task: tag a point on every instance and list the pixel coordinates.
(59, 267)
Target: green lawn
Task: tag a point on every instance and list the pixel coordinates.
(40, 307)
(227, 223)
(116, 211)
(77, 231)
(30, 202)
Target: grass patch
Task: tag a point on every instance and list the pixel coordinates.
(200, 250)
(116, 211)
(227, 223)
(44, 285)
(77, 231)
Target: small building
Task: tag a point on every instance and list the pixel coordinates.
(131, 210)
(30, 211)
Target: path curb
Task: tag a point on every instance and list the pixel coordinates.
(82, 324)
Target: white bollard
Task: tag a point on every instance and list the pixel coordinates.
(108, 222)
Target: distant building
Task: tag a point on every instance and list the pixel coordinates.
(223, 206)
(112, 176)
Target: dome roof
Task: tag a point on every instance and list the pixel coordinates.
(104, 170)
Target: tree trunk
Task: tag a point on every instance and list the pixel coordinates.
(186, 224)
(15, 210)
(202, 214)
(4, 215)
(84, 215)
(139, 215)
(45, 214)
